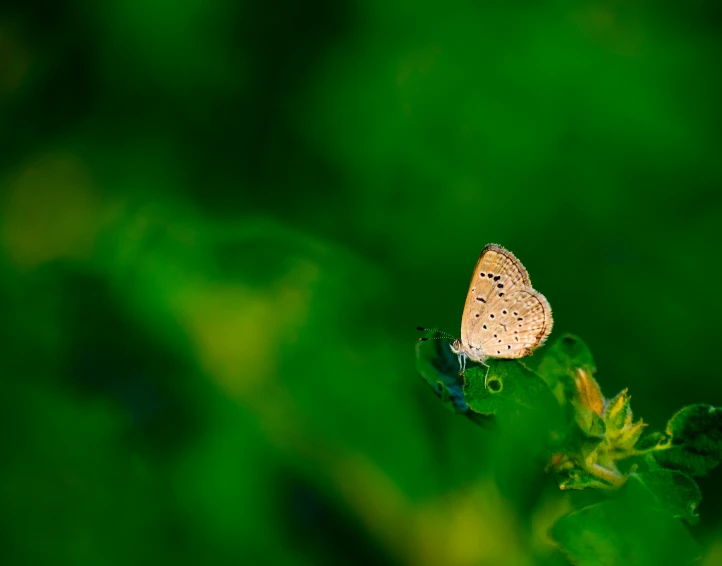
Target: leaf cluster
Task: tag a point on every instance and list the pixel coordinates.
(590, 442)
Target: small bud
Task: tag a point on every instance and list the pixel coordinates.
(588, 391)
(630, 436)
(617, 413)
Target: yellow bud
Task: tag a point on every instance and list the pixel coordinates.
(588, 391)
(630, 435)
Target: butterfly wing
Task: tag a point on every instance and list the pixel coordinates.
(498, 273)
(522, 321)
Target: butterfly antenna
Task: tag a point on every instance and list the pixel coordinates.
(444, 335)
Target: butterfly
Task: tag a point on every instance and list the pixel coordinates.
(503, 316)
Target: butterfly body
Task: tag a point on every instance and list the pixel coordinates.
(504, 317)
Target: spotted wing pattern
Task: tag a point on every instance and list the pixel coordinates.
(503, 316)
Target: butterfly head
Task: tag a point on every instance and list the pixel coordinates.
(475, 353)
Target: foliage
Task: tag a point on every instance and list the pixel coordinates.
(645, 484)
(219, 221)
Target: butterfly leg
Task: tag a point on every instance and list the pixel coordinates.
(486, 375)
(462, 363)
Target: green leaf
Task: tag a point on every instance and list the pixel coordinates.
(651, 441)
(439, 366)
(559, 362)
(510, 387)
(578, 478)
(676, 492)
(514, 392)
(694, 443)
(627, 529)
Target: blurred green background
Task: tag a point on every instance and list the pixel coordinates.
(221, 222)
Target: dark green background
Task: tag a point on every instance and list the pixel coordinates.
(222, 221)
